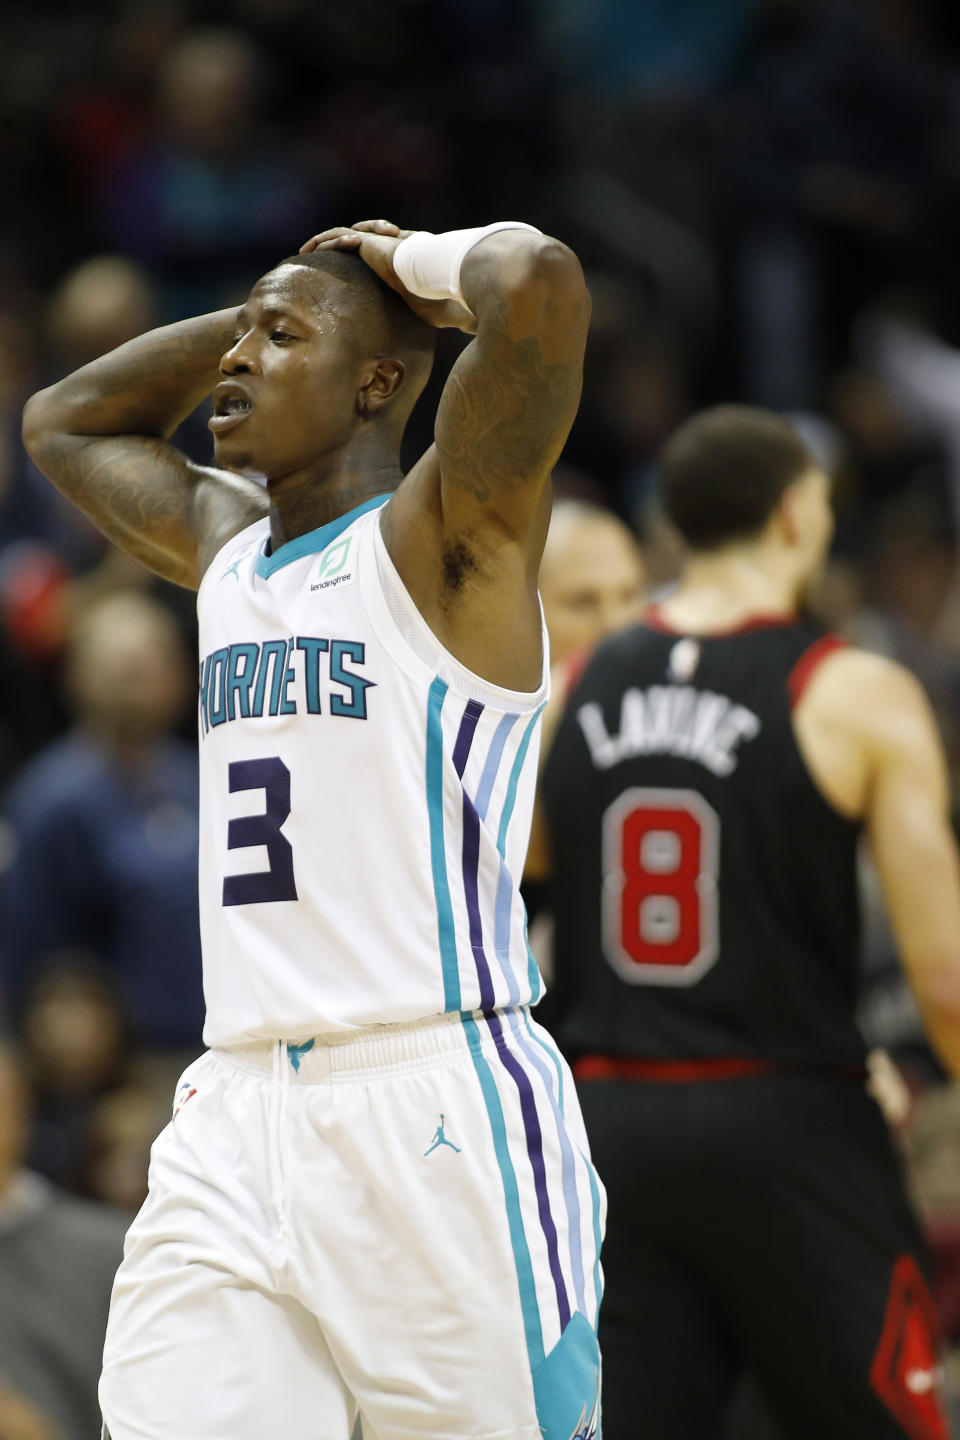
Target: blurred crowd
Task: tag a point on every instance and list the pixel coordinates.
(765, 195)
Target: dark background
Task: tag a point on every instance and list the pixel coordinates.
(765, 195)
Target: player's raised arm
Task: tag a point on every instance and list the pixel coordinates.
(512, 396)
(510, 399)
(883, 762)
(100, 436)
(908, 824)
(466, 529)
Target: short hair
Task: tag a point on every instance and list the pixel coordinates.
(383, 318)
(722, 473)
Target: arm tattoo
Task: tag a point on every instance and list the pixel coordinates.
(143, 495)
(504, 413)
(98, 436)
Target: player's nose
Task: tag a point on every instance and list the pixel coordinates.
(240, 359)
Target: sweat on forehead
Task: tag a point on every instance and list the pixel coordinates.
(339, 281)
(294, 284)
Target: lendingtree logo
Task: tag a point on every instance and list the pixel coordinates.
(333, 561)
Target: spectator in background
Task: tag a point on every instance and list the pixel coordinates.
(591, 578)
(591, 585)
(123, 1125)
(207, 196)
(74, 1049)
(104, 827)
(829, 135)
(20, 1420)
(98, 305)
(57, 1260)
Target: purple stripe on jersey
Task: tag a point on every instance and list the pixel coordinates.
(468, 726)
(471, 866)
(471, 853)
(534, 1136)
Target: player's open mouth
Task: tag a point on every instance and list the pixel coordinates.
(229, 408)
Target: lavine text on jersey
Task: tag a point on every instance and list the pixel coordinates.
(670, 720)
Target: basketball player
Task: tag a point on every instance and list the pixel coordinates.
(372, 673)
(705, 795)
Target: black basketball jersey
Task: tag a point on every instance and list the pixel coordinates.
(704, 891)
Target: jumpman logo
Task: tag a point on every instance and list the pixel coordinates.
(440, 1139)
(234, 569)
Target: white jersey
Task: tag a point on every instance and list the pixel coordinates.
(365, 800)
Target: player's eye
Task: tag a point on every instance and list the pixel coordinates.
(280, 337)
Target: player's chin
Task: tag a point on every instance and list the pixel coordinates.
(233, 457)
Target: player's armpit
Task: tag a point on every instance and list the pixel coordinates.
(511, 398)
(915, 850)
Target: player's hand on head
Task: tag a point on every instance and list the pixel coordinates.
(350, 237)
(375, 241)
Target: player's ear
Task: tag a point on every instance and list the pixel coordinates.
(789, 512)
(380, 382)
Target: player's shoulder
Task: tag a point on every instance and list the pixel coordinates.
(849, 671)
(220, 557)
(225, 505)
(865, 692)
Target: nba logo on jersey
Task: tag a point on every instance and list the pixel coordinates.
(684, 659)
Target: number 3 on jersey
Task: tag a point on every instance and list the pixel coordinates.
(276, 882)
(661, 853)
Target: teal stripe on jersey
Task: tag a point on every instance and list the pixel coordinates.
(534, 978)
(597, 1236)
(521, 1253)
(446, 934)
(511, 796)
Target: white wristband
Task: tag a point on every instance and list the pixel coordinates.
(428, 265)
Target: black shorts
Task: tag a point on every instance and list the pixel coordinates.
(759, 1225)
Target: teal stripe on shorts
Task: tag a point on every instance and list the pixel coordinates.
(521, 1253)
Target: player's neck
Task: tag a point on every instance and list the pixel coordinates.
(717, 591)
(306, 499)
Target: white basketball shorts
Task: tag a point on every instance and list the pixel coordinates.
(401, 1224)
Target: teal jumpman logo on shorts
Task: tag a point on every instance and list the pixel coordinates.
(440, 1139)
